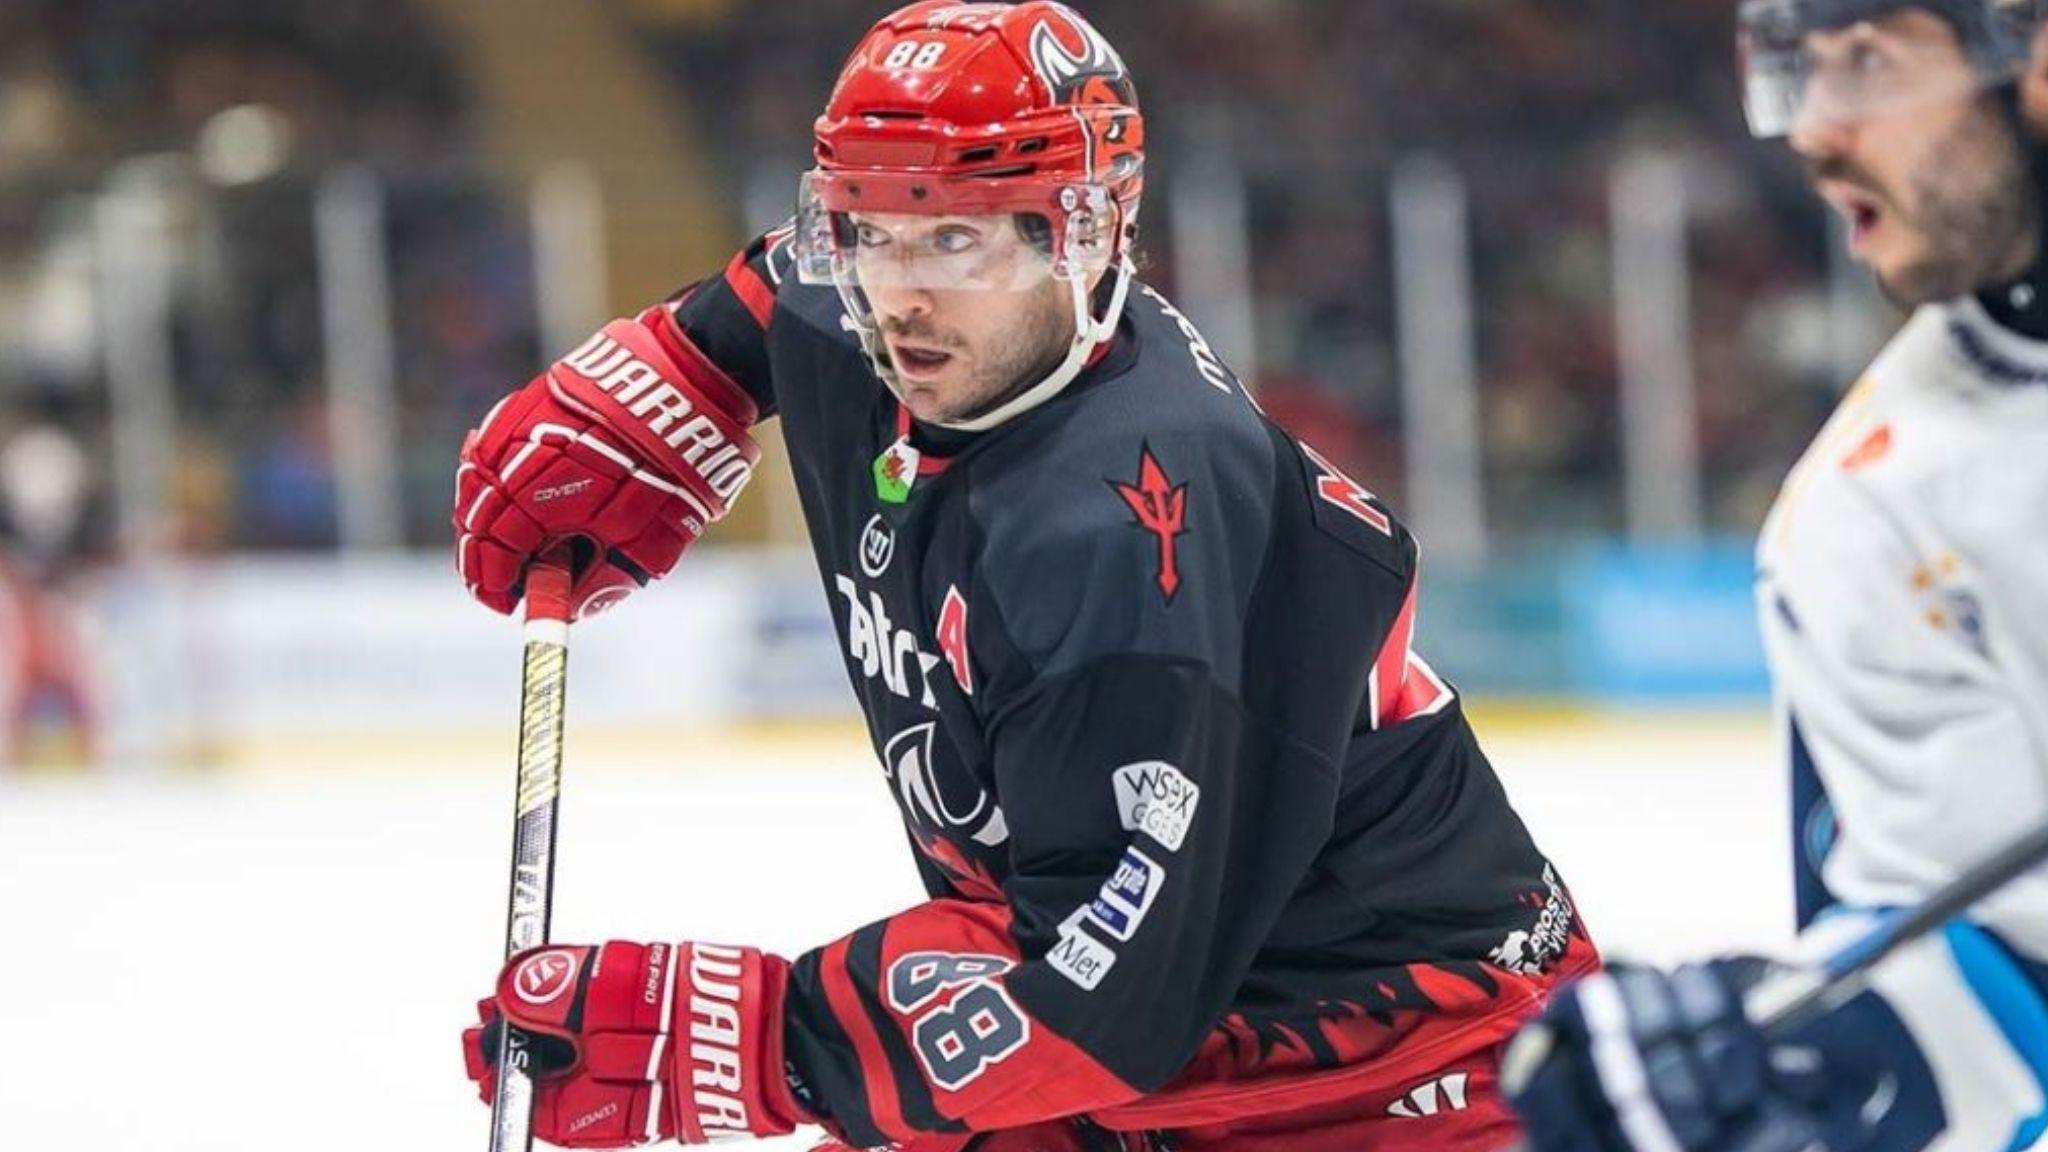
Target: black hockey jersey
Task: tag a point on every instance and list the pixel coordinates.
(1203, 835)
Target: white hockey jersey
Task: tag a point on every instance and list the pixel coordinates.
(1903, 593)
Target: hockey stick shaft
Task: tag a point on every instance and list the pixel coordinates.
(543, 685)
(1779, 1004)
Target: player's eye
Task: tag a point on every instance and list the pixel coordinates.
(954, 240)
(869, 236)
(1868, 60)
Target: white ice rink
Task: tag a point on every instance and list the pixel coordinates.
(281, 959)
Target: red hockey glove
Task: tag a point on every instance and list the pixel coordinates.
(1051, 1136)
(629, 448)
(937, 1142)
(642, 1042)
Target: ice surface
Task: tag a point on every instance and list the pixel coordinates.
(281, 959)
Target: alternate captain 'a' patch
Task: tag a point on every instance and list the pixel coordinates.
(1161, 508)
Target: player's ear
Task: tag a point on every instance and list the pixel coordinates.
(2034, 85)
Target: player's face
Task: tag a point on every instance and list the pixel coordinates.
(982, 321)
(1933, 188)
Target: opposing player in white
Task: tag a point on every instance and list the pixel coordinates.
(1903, 592)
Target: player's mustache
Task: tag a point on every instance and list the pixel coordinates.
(1846, 172)
(919, 331)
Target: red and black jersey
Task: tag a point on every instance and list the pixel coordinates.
(1203, 834)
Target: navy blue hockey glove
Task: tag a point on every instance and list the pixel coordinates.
(1639, 1060)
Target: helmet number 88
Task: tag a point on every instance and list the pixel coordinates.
(914, 54)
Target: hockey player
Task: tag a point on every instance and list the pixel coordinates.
(1903, 594)
(1211, 852)
(50, 712)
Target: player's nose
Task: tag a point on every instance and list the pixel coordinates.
(1817, 135)
(899, 304)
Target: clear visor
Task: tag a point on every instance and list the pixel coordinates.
(939, 253)
(1901, 63)
(956, 252)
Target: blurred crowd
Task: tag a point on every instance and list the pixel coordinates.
(89, 82)
(158, 159)
(222, 118)
(234, 110)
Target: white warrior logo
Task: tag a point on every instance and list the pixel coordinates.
(972, 17)
(908, 760)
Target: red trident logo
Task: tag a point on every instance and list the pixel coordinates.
(1161, 508)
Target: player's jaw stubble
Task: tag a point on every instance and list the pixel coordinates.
(1968, 217)
(1002, 344)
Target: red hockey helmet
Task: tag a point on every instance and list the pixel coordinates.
(950, 109)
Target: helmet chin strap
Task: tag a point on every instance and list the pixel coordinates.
(2021, 305)
(1089, 332)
